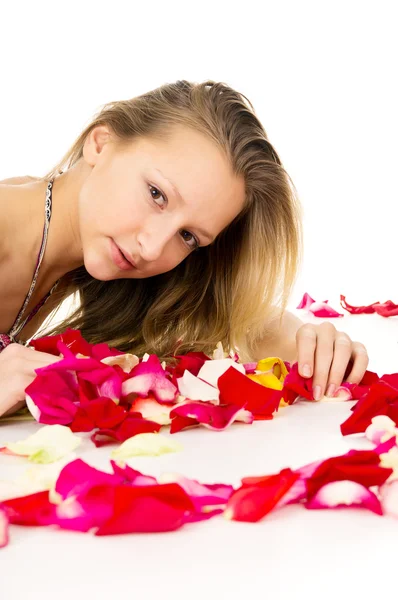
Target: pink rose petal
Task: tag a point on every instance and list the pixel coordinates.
(131, 426)
(150, 377)
(78, 476)
(321, 309)
(389, 498)
(208, 415)
(130, 475)
(306, 301)
(51, 400)
(4, 526)
(345, 493)
(202, 495)
(381, 427)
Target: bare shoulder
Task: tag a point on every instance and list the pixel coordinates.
(19, 180)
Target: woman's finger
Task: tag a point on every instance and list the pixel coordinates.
(341, 358)
(323, 358)
(306, 343)
(360, 361)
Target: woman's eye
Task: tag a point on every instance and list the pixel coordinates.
(157, 197)
(190, 239)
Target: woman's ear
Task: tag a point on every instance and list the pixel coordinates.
(95, 144)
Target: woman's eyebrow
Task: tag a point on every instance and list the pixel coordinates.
(175, 189)
(204, 233)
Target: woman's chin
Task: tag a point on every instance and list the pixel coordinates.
(99, 270)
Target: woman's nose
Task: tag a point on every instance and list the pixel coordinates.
(152, 243)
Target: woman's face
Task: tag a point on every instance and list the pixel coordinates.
(154, 200)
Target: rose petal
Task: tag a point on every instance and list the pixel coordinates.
(146, 444)
(389, 498)
(253, 502)
(28, 510)
(306, 301)
(37, 478)
(132, 425)
(78, 476)
(48, 444)
(345, 493)
(153, 510)
(4, 527)
(238, 389)
(131, 476)
(321, 309)
(149, 377)
(385, 309)
(51, 399)
(360, 466)
(125, 361)
(389, 458)
(71, 337)
(250, 368)
(382, 399)
(212, 370)
(91, 508)
(208, 415)
(195, 389)
(204, 496)
(381, 429)
(295, 385)
(192, 361)
(104, 413)
(152, 410)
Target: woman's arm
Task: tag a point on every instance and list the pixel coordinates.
(281, 339)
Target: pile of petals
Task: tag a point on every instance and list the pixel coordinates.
(375, 396)
(384, 309)
(322, 309)
(127, 501)
(360, 478)
(93, 388)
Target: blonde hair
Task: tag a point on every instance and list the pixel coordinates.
(246, 275)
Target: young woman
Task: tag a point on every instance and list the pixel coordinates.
(175, 221)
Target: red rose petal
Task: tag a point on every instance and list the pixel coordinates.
(360, 466)
(382, 399)
(28, 510)
(236, 388)
(217, 417)
(128, 428)
(253, 502)
(385, 309)
(295, 385)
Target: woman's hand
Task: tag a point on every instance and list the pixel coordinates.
(17, 371)
(326, 353)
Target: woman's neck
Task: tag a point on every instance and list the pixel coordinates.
(22, 209)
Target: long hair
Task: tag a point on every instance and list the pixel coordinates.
(228, 291)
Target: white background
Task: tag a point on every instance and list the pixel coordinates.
(321, 75)
(322, 78)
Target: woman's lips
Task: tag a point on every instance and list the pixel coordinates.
(118, 258)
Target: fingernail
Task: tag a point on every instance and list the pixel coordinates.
(317, 392)
(306, 371)
(331, 390)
